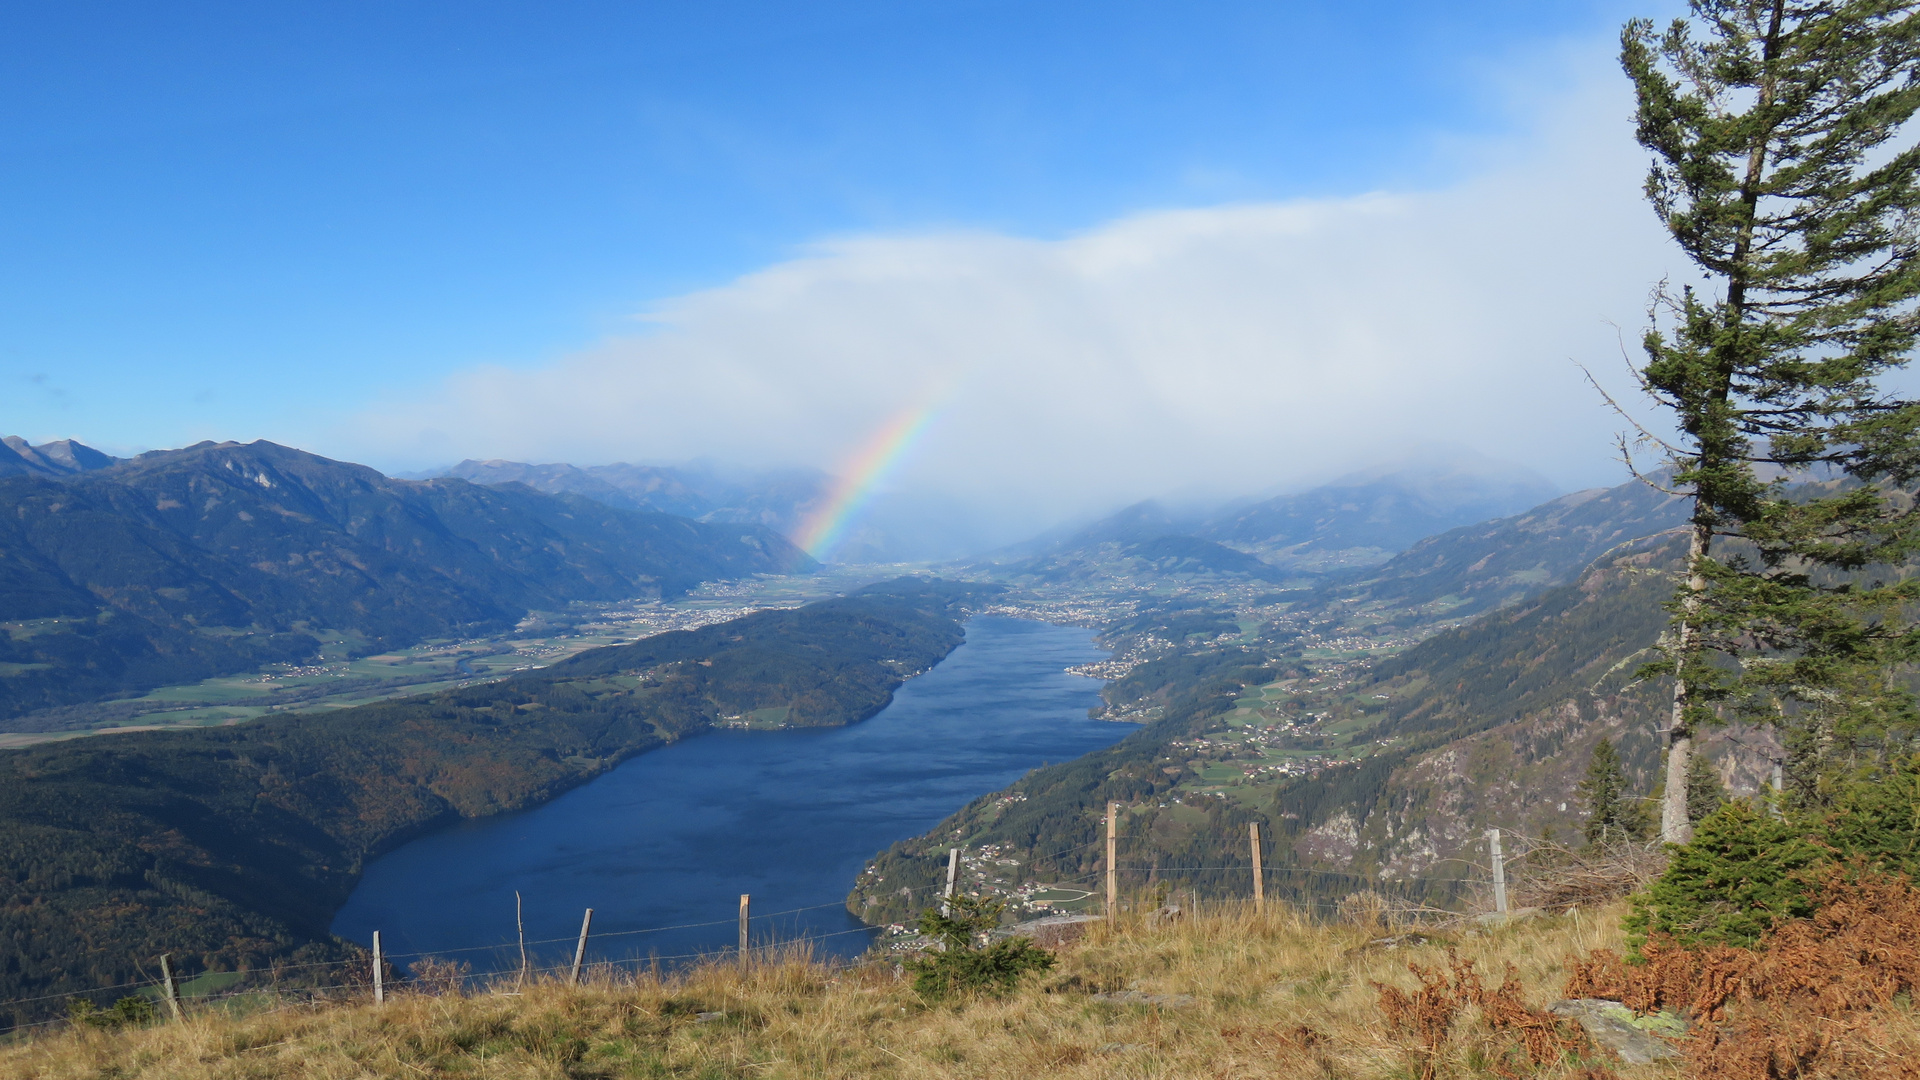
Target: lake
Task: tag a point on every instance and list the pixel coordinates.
(662, 846)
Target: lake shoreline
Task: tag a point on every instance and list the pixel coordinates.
(763, 812)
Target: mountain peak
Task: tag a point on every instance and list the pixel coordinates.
(64, 457)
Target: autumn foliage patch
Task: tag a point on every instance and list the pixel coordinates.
(1529, 1036)
(1814, 998)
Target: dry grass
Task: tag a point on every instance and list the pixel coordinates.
(1273, 996)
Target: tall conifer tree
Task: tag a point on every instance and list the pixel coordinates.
(1613, 814)
(1785, 168)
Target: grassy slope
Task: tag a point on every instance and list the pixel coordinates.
(234, 846)
(1255, 981)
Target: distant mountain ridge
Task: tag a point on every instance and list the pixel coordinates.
(1370, 516)
(62, 458)
(178, 565)
(1490, 564)
(778, 500)
(1141, 541)
(1360, 520)
(893, 528)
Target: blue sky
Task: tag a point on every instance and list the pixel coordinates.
(224, 217)
(406, 233)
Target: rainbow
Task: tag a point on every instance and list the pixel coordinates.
(861, 477)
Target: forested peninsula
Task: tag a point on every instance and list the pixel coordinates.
(231, 848)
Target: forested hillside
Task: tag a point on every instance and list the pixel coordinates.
(1169, 558)
(1480, 567)
(232, 847)
(180, 565)
(1050, 819)
(1403, 762)
(1364, 518)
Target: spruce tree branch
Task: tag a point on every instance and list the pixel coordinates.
(1644, 434)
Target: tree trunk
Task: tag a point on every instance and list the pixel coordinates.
(1676, 827)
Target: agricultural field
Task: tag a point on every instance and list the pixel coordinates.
(345, 676)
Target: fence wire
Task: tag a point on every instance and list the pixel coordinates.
(355, 975)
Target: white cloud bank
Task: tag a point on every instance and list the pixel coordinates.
(1226, 349)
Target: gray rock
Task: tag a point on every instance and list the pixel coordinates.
(708, 1017)
(1635, 1038)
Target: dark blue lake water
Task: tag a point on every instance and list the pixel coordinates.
(674, 837)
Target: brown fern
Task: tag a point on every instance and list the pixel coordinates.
(1805, 1002)
(1429, 1013)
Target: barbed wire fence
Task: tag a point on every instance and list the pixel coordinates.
(281, 986)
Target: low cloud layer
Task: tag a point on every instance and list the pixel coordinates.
(1221, 350)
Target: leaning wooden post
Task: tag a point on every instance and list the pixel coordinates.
(520, 924)
(166, 979)
(953, 878)
(743, 932)
(379, 983)
(1259, 882)
(1113, 882)
(1499, 872)
(580, 950)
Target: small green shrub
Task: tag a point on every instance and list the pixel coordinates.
(127, 1012)
(1876, 819)
(968, 963)
(1746, 869)
(1743, 871)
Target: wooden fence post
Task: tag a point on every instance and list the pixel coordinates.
(953, 878)
(1259, 882)
(1113, 882)
(520, 924)
(580, 950)
(1499, 872)
(379, 983)
(743, 932)
(166, 978)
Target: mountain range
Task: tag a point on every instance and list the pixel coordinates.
(62, 458)
(1490, 564)
(1365, 517)
(116, 576)
(778, 500)
(893, 527)
(1327, 533)
(178, 565)
(1357, 520)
